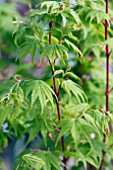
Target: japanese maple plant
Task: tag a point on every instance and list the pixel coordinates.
(56, 107)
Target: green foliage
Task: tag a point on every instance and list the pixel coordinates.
(38, 160)
(54, 50)
(37, 38)
(70, 87)
(42, 91)
(55, 107)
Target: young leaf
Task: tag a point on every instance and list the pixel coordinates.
(74, 47)
(71, 14)
(50, 5)
(91, 3)
(72, 76)
(41, 90)
(72, 88)
(74, 126)
(99, 15)
(53, 51)
(29, 47)
(38, 160)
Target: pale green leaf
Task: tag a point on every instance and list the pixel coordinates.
(74, 47)
(99, 15)
(72, 88)
(66, 126)
(42, 91)
(59, 72)
(71, 14)
(72, 76)
(54, 50)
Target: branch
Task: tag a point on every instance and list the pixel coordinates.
(57, 94)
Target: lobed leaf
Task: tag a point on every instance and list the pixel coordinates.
(72, 88)
(55, 50)
(99, 15)
(42, 91)
(38, 160)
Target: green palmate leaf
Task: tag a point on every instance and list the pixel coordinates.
(56, 8)
(29, 160)
(99, 121)
(72, 88)
(38, 160)
(73, 46)
(92, 3)
(54, 50)
(71, 14)
(77, 127)
(37, 30)
(84, 10)
(42, 91)
(93, 160)
(32, 42)
(88, 155)
(29, 47)
(95, 155)
(75, 110)
(34, 161)
(99, 15)
(51, 6)
(54, 160)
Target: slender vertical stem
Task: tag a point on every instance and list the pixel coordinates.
(107, 78)
(107, 58)
(57, 94)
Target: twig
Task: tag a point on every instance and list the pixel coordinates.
(57, 94)
(107, 80)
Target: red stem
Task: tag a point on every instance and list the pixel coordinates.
(107, 62)
(57, 94)
(107, 79)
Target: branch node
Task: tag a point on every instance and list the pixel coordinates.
(106, 24)
(107, 93)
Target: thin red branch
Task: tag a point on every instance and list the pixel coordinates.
(57, 94)
(106, 25)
